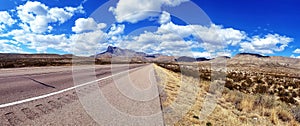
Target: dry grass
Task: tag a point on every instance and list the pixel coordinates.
(234, 97)
(251, 80)
(170, 85)
(274, 118)
(233, 108)
(247, 103)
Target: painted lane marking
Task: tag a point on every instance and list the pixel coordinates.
(61, 91)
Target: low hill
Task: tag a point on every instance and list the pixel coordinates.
(247, 59)
(15, 56)
(12, 60)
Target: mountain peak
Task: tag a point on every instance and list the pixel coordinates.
(115, 51)
(111, 49)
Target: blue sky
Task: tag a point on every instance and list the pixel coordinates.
(199, 28)
(258, 17)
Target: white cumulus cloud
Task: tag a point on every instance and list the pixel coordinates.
(136, 10)
(293, 56)
(172, 39)
(297, 51)
(60, 15)
(202, 54)
(116, 29)
(152, 42)
(5, 20)
(88, 43)
(5, 48)
(268, 44)
(9, 46)
(41, 42)
(165, 17)
(211, 37)
(37, 16)
(39, 24)
(87, 24)
(36, 19)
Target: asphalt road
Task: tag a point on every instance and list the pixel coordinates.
(130, 98)
(23, 83)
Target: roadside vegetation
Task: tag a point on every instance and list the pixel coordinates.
(249, 97)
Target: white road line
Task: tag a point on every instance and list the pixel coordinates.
(61, 91)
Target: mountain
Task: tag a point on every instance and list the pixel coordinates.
(115, 54)
(191, 59)
(248, 59)
(186, 59)
(143, 57)
(127, 55)
(115, 51)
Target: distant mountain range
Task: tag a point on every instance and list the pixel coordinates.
(143, 57)
(116, 54)
(115, 51)
(244, 59)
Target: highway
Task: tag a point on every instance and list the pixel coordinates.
(80, 95)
